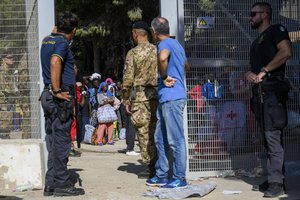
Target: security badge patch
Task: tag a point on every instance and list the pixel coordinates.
(282, 28)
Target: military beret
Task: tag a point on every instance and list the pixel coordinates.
(141, 25)
(6, 55)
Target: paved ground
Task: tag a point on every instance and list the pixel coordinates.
(106, 173)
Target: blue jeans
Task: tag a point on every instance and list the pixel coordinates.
(169, 133)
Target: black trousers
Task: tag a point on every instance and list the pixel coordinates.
(272, 132)
(58, 123)
(130, 129)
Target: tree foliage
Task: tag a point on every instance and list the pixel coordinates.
(12, 26)
(104, 34)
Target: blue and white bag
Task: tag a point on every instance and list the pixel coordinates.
(106, 114)
(89, 131)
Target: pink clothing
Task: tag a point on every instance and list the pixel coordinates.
(109, 80)
(100, 131)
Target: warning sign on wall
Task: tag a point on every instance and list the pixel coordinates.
(205, 22)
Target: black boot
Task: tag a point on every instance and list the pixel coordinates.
(144, 174)
(148, 173)
(152, 171)
(264, 186)
(48, 191)
(261, 187)
(68, 191)
(274, 190)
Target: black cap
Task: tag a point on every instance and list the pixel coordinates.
(141, 25)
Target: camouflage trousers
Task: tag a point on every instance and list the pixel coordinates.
(144, 120)
(6, 118)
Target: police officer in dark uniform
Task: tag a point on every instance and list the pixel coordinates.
(268, 56)
(56, 99)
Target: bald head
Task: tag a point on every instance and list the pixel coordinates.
(160, 25)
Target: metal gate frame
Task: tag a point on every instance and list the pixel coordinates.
(174, 11)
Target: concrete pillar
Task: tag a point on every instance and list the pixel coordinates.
(20, 165)
(46, 22)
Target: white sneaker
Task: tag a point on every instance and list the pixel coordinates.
(132, 153)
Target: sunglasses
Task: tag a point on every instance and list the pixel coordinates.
(252, 14)
(9, 57)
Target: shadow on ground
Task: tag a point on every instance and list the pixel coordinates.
(9, 198)
(132, 168)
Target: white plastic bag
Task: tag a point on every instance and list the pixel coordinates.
(122, 134)
(89, 130)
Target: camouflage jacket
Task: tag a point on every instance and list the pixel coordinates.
(140, 74)
(7, 90)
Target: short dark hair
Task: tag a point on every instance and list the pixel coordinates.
(66, 22)
(161, 25)
(266, 6)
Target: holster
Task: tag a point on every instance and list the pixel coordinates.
(279, 85)
(278, 115)
(65, 109)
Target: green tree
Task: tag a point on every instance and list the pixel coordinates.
(104, 35)
(12, 26)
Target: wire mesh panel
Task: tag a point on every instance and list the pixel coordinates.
(19, 72)
(222, 131)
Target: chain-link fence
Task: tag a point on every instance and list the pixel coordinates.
(222, 131)
(19, 71)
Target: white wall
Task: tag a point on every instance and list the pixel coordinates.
(21, 164)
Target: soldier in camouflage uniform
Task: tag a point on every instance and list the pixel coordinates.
(23, 100)
(7, 92)
(140, 93)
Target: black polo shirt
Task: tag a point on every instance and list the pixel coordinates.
(57, 45)
(264, 49)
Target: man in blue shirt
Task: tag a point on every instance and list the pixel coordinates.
(57, 102)
(172, 99)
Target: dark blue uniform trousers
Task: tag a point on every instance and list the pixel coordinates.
(58, 142)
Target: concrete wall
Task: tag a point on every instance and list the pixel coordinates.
(21, 166)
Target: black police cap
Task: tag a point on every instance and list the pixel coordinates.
(141, 25)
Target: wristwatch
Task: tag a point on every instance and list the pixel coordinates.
(164, 78)
(57, 91)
